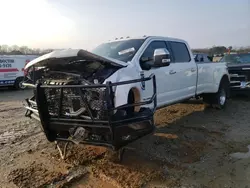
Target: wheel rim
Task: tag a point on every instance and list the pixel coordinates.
(21, 85)
(222, 97)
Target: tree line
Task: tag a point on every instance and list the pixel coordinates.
(220, 50)
(25, 50)
(22, 50)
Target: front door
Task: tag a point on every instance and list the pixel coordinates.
(164, 80)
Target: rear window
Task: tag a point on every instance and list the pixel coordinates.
(180, 52)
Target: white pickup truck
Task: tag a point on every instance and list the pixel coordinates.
(79, 93)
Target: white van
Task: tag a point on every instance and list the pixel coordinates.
(12, 69)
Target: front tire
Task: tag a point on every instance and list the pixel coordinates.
(131, 100)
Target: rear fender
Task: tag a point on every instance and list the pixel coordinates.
(224, 77)
(219, 74)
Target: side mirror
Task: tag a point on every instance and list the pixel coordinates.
(161, 57)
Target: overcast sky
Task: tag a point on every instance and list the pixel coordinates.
(86, 23)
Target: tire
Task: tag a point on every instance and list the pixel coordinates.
(131, 100)
(128, 111)
(218, 100)
(18, 83)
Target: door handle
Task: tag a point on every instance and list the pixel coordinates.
(172, 72)
(193, 69)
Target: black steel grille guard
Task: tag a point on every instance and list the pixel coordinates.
(37, 108)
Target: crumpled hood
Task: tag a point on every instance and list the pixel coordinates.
(72, 54)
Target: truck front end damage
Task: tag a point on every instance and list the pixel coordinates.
(73, 104)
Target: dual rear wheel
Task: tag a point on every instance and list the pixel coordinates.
(218, 100)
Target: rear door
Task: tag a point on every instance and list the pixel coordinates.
(184, 71)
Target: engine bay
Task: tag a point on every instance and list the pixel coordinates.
(75, 102)
(77, 72)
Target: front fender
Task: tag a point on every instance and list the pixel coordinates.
(122, 91)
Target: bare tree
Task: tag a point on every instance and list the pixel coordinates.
(15, 48)
(4, 48)
(24, 49)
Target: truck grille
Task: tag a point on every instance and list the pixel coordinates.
(238, 76)
(76, 102)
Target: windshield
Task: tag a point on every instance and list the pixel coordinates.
(236, 58)
(121, 50)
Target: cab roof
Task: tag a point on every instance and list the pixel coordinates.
(148, 37)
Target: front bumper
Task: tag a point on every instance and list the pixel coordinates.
(240, 91)
(111, 130)
(239, 80)
(239, 85)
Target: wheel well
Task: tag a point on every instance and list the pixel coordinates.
(134, 96)
(20, 77)
(225, 79)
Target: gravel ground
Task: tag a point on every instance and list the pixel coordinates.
(193, 146)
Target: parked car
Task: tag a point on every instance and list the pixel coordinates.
(217, 57)
(12, 69)
(108, 96)
(239, 70)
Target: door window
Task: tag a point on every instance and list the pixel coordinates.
(149, 52)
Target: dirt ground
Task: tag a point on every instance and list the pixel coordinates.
(193, 146)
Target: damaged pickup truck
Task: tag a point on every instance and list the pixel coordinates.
(108, 97)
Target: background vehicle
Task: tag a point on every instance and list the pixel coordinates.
(202, 57)
(104, 97)
(217, 57)
(239, 70)
(12, 69)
